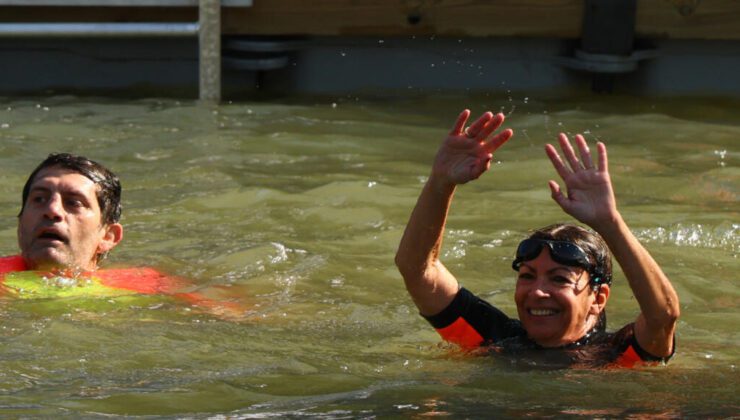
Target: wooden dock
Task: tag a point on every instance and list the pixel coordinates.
(665, 19)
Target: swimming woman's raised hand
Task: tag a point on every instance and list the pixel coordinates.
(589, 195)
(590, 199)
(467, 152)
(464, 155)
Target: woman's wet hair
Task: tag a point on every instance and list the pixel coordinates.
(109, 187)
(596, 249)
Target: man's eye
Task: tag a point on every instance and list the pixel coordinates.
(38, 199)
(74, 203)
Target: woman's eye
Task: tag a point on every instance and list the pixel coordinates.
(525, 276)
(562, 280)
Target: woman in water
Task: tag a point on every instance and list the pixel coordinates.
(564, 271)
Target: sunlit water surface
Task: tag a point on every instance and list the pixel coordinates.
(293, 209)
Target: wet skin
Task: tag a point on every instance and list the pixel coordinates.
(61, 224)
(555, 303)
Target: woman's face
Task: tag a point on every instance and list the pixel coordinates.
(555, 302)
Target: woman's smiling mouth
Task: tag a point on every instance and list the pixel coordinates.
(542, 312)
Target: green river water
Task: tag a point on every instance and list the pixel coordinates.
(293, 209)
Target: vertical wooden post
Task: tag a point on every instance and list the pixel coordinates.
(209, 43)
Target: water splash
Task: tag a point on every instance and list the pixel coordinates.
(281, 255)
(695, 235)
(721, 154)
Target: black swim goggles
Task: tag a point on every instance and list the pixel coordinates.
(562, 252)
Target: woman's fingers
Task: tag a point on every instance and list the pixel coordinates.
(481, 166)
(457, 129)
(557, 162)
(584, 152)
(498, 140)
(603, 161)
(569, 153)
(477, 127)
(490, 126)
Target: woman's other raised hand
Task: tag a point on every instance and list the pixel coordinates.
(589, 196)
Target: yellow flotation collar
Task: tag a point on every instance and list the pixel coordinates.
(37, 285)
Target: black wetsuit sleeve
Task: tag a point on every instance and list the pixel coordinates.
(647, 357)
(468, 309)
(627, 343)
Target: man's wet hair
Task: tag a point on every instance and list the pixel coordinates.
(109, 187)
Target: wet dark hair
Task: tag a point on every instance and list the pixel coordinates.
(596, 249)
(109, 191)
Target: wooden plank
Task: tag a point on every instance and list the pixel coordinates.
(559, 18)
(689, 19)
(120, 3)
(677, 19)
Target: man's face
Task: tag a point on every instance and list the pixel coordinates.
(61, 224)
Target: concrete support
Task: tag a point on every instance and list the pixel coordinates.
(209, 41)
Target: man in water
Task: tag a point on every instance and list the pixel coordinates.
(68, 223)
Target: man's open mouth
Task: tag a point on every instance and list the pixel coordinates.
(52, 236)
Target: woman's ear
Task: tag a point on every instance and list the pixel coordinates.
(113, 233)
(601, 296)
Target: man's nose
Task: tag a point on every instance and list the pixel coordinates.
(54, 208)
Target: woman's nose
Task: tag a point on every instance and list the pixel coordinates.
(540, 288)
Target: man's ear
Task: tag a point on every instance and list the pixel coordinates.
(113, 233)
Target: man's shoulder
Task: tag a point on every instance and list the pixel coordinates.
(145, 280)
(11, 263)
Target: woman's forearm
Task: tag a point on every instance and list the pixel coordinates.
(651, 287)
